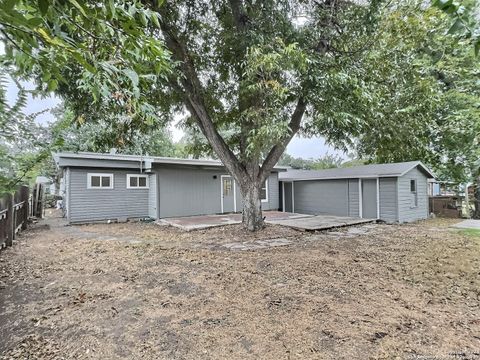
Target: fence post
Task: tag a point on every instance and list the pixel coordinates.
(10, 220)
(24, 195)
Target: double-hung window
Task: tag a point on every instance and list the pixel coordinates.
(413, 192)
(99, 181)
(264, 191)
(135, 181)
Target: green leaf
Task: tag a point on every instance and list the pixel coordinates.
(8, 5)
(154, 19)
(143, 18)
(111, 6)
(456, 27)
(442, 4)
(79, 7)
(34, 22)
(132, 75)
(52, 85)
(83, 62)
(43, 6)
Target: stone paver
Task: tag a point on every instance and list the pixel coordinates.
(256, 245)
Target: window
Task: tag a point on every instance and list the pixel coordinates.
(100, 181)
(413, 186)
(264, 191)
(413, 192)
(137, 181)
(227, 186)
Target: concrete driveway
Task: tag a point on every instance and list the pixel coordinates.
(468, 224)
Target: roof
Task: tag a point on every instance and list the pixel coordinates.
(138, 158)
(363, 171)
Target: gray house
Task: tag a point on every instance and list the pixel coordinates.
(99, 187)
(390, 192)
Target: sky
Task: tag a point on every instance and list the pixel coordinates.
(299, 147)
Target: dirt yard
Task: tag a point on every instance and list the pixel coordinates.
(143, 291)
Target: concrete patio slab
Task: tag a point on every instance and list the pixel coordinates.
(320, 222)
(468, 224)
(189, 223)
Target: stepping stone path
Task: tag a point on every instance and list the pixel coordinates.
(257, 244)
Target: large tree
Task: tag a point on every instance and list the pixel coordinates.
(248, 72)
(429, 81)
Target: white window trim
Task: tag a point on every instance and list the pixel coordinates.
(89, 181)
(415, 193)
(266, 191)
(415, 182)
(137, 187)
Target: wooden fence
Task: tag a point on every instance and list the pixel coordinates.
(14, 212)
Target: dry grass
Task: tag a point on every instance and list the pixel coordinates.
(140, 291)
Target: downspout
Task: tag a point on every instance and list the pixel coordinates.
(293, 196)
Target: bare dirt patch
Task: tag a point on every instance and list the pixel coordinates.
(145, 291)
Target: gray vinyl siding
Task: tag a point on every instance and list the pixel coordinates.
(153, 196)
(353, 203)
(173, 191)
(273, 193)
(407, 211)
(321, 197)
(86, 205)
(187, 191)
(388, 199)
(369, 198)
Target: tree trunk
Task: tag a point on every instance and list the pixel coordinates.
(252, 206)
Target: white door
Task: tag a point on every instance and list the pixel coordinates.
(228, 194)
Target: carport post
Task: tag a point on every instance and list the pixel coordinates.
(283, 196)
(293, 197)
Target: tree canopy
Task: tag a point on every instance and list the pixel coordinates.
(249, 75)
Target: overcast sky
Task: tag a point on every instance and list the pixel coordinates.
(298, 147)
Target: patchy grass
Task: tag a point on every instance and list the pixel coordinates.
(140, 291)
(471, 232)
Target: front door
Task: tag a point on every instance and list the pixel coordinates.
(228, 194)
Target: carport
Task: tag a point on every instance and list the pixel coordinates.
(338, 197)
(394, 192)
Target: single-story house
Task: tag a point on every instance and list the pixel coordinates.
(395, 192)
(99, 187)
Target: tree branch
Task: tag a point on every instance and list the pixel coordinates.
(277, 151)
(193, 93)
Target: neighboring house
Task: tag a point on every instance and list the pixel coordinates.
(50, 187)
(101, 187)
(390, 192)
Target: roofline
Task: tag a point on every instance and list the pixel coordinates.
(419, 163)
(136, 158)
(414, 165)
